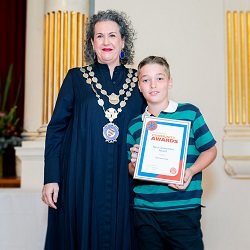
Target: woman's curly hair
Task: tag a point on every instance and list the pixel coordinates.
(126, 30)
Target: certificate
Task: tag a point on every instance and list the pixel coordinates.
(163, 150)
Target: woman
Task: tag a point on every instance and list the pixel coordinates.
(86, 181)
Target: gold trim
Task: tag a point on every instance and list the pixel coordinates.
(238, 66)
(72, 38)
(236, 69)
(84, 21)
(248, 62)
(65, 43)
(242, 68)
(236, 157)
(51, 63)
(46, 66)
(58, 52)
(229, 67)
(78, 41)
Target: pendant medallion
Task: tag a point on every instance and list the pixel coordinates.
(110, 132)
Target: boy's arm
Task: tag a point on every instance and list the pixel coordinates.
(131, 168)
(202, 162)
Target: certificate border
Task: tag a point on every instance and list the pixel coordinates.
(177, 179)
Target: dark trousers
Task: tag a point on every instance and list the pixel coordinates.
(169, 230)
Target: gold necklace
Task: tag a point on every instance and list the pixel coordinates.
(113, 98)
(110, 130)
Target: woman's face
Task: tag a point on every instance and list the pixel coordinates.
(107, 43)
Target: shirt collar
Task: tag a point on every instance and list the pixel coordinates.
(171, 108)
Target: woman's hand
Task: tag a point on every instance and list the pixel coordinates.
(50, 194)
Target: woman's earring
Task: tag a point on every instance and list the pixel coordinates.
(122, 54)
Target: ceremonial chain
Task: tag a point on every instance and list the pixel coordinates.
(110, 130)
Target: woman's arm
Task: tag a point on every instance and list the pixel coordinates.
(54, 138)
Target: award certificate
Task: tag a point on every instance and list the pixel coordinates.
(163, 150)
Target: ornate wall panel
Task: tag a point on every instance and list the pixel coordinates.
(236, 142)
(63, 49)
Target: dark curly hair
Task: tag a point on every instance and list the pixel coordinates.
(126, 30)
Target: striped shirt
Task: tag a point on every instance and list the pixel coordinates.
(154, 196)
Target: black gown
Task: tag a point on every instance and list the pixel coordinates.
(95, 189)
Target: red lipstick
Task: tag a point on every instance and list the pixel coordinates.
(107, 49)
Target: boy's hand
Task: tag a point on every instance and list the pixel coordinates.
(186, 181)
(203, 161)
(134, 153)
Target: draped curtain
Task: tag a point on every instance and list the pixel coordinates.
(12, 50)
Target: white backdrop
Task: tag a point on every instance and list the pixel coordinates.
(191, 35)
(23, 220)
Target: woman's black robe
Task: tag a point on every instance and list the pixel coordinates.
(95, 196)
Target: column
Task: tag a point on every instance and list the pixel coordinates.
(236, 142)
(33, 69)
(55, 34)
(64, 29)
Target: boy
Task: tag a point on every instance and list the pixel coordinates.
(167, 216)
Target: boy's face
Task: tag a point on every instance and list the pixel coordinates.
(154, 83)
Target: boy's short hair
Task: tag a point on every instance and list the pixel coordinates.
(154, 60)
